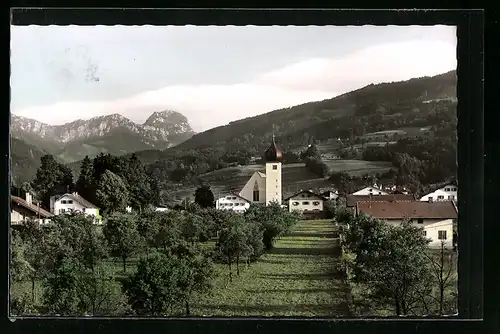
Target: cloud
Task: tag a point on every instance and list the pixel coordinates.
(207, 106)
(382, 63)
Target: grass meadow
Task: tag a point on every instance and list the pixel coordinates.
(297, 278)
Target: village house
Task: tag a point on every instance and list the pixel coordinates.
(446, 193)
(374, 190)
(330, 194)
(23, 209)
(72, 203)
(306, 202)
(438, 220)
(232, 202)
(352, 200)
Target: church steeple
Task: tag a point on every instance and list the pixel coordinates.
(272, 153)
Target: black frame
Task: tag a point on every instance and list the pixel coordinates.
(470, 31)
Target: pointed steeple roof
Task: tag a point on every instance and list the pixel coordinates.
(273, 154)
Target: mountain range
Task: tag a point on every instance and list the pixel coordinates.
(114, 134)
(416, 102)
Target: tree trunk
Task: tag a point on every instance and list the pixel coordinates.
(188, 313)
(238, 266)
(33, 289)
(124, 259)
(230, 273)
(398, 306)
(441, 299)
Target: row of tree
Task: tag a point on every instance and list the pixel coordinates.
(71, 256)
(397, 266)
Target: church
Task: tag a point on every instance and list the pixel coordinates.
(265, 188)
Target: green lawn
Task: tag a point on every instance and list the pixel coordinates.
(297, 278)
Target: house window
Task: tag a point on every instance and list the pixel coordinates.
(430, 198)
(442, 235)
(69, 201)
(275, 167)
(316, 203)
(420, 220)
(440, 197)
(446, 189)
(425, 233)
(83, 210)
(63, 201)
(255, 195)
(61, 210)
(451, 197)
(295, 203)
(305, 203)
(380, 193)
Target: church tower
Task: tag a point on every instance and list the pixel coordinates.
(273, 159)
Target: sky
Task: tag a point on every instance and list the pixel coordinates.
(212, 74)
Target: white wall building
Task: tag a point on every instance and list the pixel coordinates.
(446, 193)
(330, 194)
(232, 202)
(374, 191)
(305, 201)
(24, 209)
(266, 187)
(69, 203)
(436, 219)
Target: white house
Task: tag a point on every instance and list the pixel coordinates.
(330, 194)
(68, 203)
(161, 209)
(266, 187)
(446, 193)
(437, 219)
(305, 201)
(374, 190)
(232, 202)
(23, 209)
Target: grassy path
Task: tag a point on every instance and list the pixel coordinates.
(297, 278)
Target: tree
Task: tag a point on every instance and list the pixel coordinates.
(85, 182)
(112, 193)
(51, 178)
(139, 185)
(123, 236)
(443, 272)
(197, 271)
(156, 288)
(393, 262)
(74, 289)
(232, 243)
(329, 208)
(75, 236)
(204, 196)
(192, 227)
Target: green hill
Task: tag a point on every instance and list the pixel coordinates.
(25, 160)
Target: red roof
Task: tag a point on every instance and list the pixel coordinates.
(35, 209)
(353, 199)
(408, 209)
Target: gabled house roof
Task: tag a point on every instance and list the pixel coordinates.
(375, 188)
(308, 192)
(78, 199)
(261, 174)
(408, 209)
(33, 208)
(351, 200)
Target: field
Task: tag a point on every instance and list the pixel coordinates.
(297, 278)
(295, 176)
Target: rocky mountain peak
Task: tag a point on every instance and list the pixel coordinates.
(166, 117)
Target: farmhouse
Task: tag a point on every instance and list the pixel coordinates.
(352, 200)
(437, 219)
(232, 202)
(446, 193)
(306, 201)
(374, 190)
(22, 209)
(69, 203)
(265, 188)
